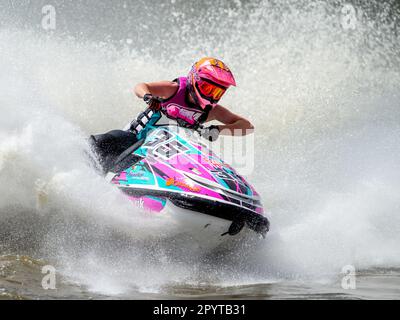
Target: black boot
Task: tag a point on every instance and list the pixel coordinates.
(110, 145)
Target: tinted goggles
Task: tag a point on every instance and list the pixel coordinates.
(210, 91)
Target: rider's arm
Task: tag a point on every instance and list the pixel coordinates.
(233, 123)
(162, 89)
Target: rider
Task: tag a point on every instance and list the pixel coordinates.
(190, 101)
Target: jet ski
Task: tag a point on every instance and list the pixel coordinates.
(172, 174)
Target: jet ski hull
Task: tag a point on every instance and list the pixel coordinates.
(170, 168)
(199, 231)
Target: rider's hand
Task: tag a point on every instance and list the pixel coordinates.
(210, 133)
(153, 102)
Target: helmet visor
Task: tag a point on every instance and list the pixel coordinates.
(210, 91)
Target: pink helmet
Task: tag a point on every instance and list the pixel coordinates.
(208, 80)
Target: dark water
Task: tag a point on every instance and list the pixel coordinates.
(20, 278)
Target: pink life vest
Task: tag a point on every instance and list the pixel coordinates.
(179, 108)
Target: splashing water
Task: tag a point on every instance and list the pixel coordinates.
(324, 99)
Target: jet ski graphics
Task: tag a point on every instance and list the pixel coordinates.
(172, 171)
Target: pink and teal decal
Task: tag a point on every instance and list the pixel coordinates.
(170, 163)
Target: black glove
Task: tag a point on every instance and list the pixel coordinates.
(210, 133)
(153, 102)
